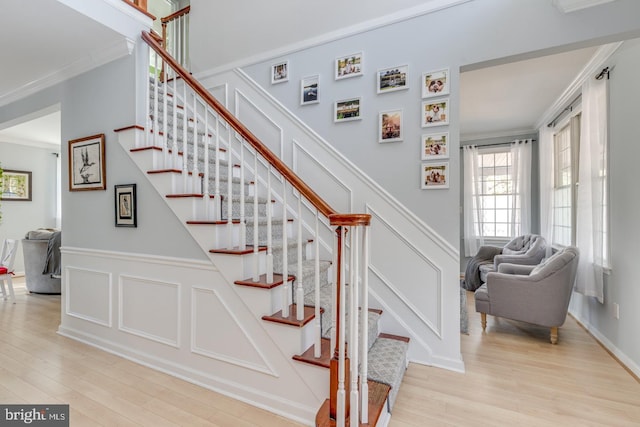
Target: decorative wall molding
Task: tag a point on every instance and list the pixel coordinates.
(79, 282)
(162, 312)
(265, 367)
(239, 96)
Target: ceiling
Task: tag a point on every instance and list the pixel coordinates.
(499, 100)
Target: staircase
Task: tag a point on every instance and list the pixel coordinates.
(249, 212)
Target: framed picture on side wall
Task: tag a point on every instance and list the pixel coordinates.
(435, 113)
(390, 126)
(309, 90)
(435, 146)
(435, 83)
(87, 166)
(392, 79)
(348, 66)
(435, 175)
(280, 72)
(125, 204)
(15, 185)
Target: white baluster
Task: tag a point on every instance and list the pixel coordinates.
(269, 229)
(165, 135)
(216, 199)
(285, 256)
(334, 294)
(185, 127)
(243, 224)
(318, 322)
(341, 412)
(364, 368)
(256, 259)
(174, 154)
(147, 106)
(299, 288)
(229, 191)
(195, 172)
(205, 178)
(156, 77)
(353, 317)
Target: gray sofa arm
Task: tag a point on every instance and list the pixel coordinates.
(509, 268)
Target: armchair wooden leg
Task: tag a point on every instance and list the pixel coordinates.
(554, 335)
(483, 320)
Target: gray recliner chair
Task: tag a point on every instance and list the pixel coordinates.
(534, 294)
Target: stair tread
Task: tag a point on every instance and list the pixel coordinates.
(262, 281)
(237, 251)
(309, 315)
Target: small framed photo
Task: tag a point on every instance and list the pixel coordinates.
(349, 66)
(87, 166)
(390, 126)
(435, 146)
(435, 113)
(392, 79)
(346, 110)
(435, 83)
(15, 185)
(435, 175)
(280, 72)
(125, 203)
(309, 90)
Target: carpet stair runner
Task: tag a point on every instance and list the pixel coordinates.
(387, 354)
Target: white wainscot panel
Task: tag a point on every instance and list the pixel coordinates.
(260, 124)
(323, 182)
(150, 309)
(407, 273)
(217, 334)
(88, 295)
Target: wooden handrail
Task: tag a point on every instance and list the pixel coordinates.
(176, 15)
(140, 6)
(323, 207)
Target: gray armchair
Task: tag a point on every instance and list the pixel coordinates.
(534, 294)
(528, 249)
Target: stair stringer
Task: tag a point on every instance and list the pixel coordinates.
(298, 388)
(432, 320)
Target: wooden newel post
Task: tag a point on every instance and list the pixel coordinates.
(334, 365)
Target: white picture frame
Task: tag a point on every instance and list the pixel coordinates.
(349, 66)
(435, 83)
(347, 110)
(434, 176)
(309, 90)
(435, 112)
(392, 79)
(280, 72)
(390, 126)
(435, 146)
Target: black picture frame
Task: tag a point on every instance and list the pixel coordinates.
(126, 208)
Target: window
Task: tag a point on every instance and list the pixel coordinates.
(499, 207)
(565, 151)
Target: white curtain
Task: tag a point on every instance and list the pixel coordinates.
(472, 202)
(545, 148)
(591, 222)
(521, 164)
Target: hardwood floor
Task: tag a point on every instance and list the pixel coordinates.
(514, 377)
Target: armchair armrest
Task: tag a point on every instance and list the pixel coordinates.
(522, 259)
(509, 268)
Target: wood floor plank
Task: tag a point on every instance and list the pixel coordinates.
(513, 377)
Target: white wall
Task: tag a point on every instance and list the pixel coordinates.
(621, 286)
(18, 217)
(251, 28)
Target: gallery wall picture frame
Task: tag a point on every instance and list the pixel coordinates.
(16, 186)
(435, 146)
(280, 72)
(393, 79)
(309, 90)
(435, 83)
(390, 127)
(126, 205)
(347, 110)
(434, 175)
(87, 165)
(435, 112)
(349, 66)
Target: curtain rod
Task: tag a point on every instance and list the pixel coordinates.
(561, 113)
(495, 144)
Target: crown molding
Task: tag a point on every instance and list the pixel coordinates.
(568, 6)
